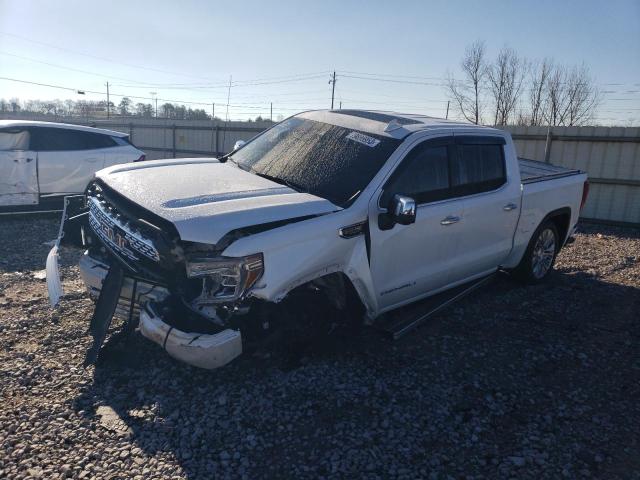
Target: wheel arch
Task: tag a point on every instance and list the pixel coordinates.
(561, 218)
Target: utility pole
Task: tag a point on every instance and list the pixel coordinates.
(153, 95)
(226, 119)
(108, 103)
(271, 112)
(447, 117)
(333, 87)
(213, 112)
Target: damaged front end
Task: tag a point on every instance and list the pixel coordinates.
(183, 296)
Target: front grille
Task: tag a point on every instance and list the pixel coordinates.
(142, 242)
(119, 235)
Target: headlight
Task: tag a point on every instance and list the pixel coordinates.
(227, 279)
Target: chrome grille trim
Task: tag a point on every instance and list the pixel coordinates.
(102, 221)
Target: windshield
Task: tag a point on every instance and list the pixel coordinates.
(326, 160)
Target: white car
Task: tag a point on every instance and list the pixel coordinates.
(41, 162)
(370, 210)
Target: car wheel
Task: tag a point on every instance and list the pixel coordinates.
(540, 255)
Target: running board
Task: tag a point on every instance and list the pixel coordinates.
(403, 320)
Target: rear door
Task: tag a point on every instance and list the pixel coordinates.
(492, 195)
(18, 169)
(67, 158)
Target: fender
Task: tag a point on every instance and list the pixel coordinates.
(299, 253)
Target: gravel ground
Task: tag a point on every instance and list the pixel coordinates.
(513, 382)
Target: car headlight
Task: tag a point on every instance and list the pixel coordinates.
(227, 279)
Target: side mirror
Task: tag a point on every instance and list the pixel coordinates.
(402, 210)
(239, 144)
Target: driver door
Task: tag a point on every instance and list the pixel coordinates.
(413, 261)
(18, 169)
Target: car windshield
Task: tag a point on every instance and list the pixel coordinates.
(326, 160)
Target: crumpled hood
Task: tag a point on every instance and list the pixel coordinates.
(206, 199)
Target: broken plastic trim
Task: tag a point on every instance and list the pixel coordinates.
(69, 233)
(105, 308)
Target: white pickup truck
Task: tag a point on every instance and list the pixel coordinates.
(374, 208)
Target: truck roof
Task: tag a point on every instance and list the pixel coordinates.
(69, 126)
(387, 123)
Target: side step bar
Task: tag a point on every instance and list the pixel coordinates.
(405, 319)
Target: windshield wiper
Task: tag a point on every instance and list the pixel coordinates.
(226, 156)
(292, 185)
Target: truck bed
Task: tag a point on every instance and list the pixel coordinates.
(534, 171)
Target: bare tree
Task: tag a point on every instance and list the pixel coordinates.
(583, 96)
(69, 107)
(124, 105)
(539, 77)
(555, 96)
(15, 105)
(571, 96)
(466, 93)
(506, 77)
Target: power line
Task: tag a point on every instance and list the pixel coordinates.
(444, 78)
(65, 68)
(152, 98)
(392, 102)
(100, 58)
(408, 82)
(391, 75)
(236, 83)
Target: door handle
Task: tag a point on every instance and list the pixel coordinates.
(509, 206)
(450, 220)
(93, 160)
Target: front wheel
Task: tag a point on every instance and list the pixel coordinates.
(540, 254)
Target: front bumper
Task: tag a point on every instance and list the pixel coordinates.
(198, 349)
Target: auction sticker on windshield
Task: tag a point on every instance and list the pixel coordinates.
(364, 139)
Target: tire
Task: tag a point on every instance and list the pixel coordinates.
(538, 259)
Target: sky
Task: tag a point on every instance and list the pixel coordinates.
(283, 52)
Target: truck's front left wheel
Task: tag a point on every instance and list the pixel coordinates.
(540, 255)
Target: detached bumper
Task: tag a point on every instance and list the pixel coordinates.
(197, 349)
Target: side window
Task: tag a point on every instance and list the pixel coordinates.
(46, 139)
(14, 139)
(477, 168)
(97, 140)
(423, 175)
(121, 141)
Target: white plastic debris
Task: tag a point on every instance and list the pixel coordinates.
(54, 285)
(40, 274)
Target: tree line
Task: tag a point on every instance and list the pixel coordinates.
(93, 108)
(510, 89)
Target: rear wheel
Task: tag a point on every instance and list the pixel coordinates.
(540, 255)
